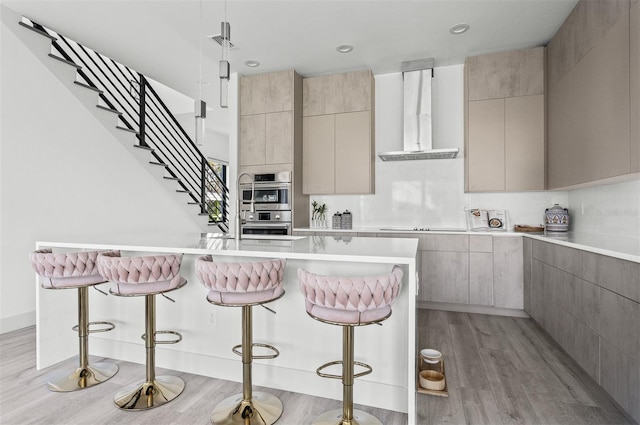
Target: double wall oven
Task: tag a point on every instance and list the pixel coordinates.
(270, 196)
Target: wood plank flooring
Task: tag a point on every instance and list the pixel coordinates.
(24, 398)
(507, 371)
(500, 371)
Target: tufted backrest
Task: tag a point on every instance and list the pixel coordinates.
(148, 269)
(70, 264)
(240, 277)
(357, 293)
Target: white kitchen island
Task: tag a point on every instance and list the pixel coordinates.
(210, 331)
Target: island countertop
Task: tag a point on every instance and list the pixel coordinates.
(365, 250)
(209, 331)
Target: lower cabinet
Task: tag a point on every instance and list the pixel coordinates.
(483, 270)
(589, 304)
(480, 270)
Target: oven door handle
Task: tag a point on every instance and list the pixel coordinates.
(259, 224)
(268, 185)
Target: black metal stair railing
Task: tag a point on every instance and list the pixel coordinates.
(141, 110)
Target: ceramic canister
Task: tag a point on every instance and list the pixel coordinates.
(556, 219)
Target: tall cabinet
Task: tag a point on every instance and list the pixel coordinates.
(505, 121)
(338, 134)
(270, 133)
(593, 94)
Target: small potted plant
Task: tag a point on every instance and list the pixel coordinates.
(318, 215)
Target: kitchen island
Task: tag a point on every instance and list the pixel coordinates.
(210, 331)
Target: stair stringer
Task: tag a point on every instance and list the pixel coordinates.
(41, 47)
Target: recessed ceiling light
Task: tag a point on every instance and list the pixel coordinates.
(252, 64)
(344, 48)
(459, 29)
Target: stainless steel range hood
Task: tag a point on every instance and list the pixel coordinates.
(417, 75)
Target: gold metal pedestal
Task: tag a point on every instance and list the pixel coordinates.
(248, 408)
(262, 409)
(333, 417)
(347, 415)
(149, 394)
(85, 375)
(155, 390)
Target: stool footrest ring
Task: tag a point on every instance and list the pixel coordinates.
(368, 370)
(109, 326)
(172, 341)
(237, 350)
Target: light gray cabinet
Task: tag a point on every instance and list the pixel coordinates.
(270, 131)
(590, 304)
(590, 95)
(634, 84)
(337, 94)
(267, 134)
(338, 136)
(505, 122)
(481, 270)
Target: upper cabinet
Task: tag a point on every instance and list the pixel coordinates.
(504, 121)
(634, 85)
(593, 89)
(338, 134)
(268, 123)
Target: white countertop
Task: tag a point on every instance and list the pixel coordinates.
(617, 247)
(623, 248)
(374, 230)
(365, 250)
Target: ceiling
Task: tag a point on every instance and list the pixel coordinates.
(167, 40)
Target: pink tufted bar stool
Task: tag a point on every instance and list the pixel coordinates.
(69, 271)
(146, 276)
(349, 302)
(244, 285)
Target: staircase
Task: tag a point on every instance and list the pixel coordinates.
(137, 110)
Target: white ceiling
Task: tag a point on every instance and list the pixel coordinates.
(162, 39)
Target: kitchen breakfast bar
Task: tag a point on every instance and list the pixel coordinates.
(209, 332)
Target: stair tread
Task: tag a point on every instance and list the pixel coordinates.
(42, 33)
(87, 86)
(162, 164)
(171, 178)
(126, 129)
(68, 62)
(106, 108)
(143, 147)
(182, 191)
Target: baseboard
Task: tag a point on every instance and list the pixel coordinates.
(19, 321)
(468, 308)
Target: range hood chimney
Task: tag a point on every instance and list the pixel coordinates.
(417, 75)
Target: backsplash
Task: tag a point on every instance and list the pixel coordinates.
(612, 210)
(430, 193)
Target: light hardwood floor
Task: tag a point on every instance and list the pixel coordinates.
(500, 371)
(24, 398)
(504, 371)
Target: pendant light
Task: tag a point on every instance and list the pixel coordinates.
(200, 106)
(225, 68)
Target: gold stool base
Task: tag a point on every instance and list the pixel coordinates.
(83, 377)
(147, 395)
(263, 409)
(334, 417)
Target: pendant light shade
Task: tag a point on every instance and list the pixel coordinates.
(225, 67)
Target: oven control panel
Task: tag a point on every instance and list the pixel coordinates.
(266, 216)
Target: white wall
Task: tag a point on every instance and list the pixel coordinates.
(62, 174)
(430, 192)
(612, 210)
